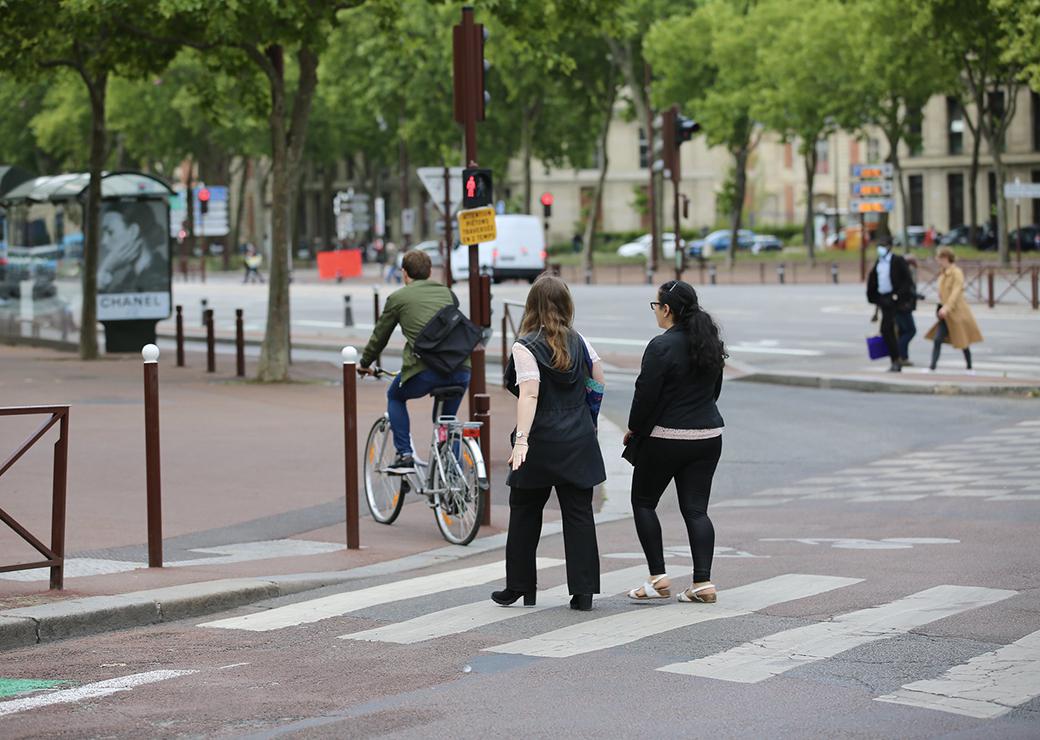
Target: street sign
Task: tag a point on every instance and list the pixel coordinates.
(380, 226)
(872, 171)
(407, 221)
(871, 205)
(1022, 190)
(432, 179)
(872, 189)
(214, 222)
(477, 225)
(344, 224)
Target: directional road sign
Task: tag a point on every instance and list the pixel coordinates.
(872, 171)
(871, 205)
(871, 189)
(433, 180)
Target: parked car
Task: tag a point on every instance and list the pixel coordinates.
(766, 243)
(914, 234)
(718, 241)
(641, 246)
(432, 248)
(1030, 238)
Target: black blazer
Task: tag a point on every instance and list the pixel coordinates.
(669, 392)
(904, 291)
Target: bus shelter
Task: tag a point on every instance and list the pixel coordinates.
(134, 267)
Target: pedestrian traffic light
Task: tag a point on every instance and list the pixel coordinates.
(203, 196)
(547, 201)
(685, 128)
(476, 187)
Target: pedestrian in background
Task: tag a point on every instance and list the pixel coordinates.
(252, 262)
(956, 324)
(675, 433)
(888, 286)
(392, 268)
(554, 445)
(906, 327)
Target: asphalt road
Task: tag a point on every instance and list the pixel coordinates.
(865, 543)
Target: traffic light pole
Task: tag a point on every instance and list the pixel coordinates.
(651, 200)
(448, 240)
(468, 72)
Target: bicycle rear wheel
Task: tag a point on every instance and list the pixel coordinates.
(459, 510)
(382, 490)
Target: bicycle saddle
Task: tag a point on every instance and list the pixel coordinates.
(448, 391)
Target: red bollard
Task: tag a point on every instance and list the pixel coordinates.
(350, 445)
(211, 350)
(180, 337)
(240, 345)
(150, 353)
(482, 413)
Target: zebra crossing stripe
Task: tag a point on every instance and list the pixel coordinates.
(336, 605)
(88, 691)
(775, 654)
(646, 620)
(985, 687)
(480, 613)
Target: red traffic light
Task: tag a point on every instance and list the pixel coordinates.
(547, 199)
(203, 195)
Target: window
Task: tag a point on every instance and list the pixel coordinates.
(644, 150)
(915, 142)
(955, 198)
(854, 151)
(1036, 123)
(873, 151)
(916, 200)
(954, 126)
(788, 155)
(992, 213)
(996, 104)
(823, 164)
(1036, 201)
(789, 203)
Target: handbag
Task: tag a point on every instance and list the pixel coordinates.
(593, 388)
(877, 347)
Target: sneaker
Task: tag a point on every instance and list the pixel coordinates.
(906, 363)
(894, 368)
(402, 465)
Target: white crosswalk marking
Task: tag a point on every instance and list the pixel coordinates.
(336, 605)
(985, 687)
(775, 654)
(645, 620)
(478, 614)
(89, 691)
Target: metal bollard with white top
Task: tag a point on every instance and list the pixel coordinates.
(350, 456)
(150, 353)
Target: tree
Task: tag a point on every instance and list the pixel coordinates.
(1020, 20)
(707, 63)
(85, 37)
(21, 101)
(976, 42)
(808, 79)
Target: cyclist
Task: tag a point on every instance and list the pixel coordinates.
(412, 307)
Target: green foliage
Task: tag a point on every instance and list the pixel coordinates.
(1020, 22)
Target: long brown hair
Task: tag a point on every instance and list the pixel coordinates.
(550, 309)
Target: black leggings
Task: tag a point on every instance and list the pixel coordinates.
(692, 464)
(940, 336)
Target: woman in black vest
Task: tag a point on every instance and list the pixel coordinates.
(554, 445)
(675, 432)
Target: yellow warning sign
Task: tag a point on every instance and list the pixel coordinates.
(477, 225)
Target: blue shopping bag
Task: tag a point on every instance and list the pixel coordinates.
(876, 347)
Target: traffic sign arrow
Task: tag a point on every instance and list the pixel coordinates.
(432, 179)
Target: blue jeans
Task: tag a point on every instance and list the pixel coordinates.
(418, 386)
(906, 330)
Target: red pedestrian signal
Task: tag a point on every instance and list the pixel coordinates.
(471, 187)
(476, 187)
(547, 199)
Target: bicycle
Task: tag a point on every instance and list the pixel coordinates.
(452, 480)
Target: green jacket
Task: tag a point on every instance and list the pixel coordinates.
(412, 307)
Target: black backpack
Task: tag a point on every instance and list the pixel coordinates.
(446, 340)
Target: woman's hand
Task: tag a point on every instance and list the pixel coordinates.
(628, 437)
(518, 455)
(942, 313)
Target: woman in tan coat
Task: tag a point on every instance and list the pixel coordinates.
(956, 325)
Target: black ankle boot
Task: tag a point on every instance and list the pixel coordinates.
(581, 602)
(507, 596)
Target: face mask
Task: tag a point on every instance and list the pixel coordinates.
(882, 251)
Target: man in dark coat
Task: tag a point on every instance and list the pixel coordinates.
(890, 287)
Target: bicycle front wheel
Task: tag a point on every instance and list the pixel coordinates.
(382, 490)
(460, 508)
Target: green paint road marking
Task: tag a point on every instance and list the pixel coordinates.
(15, 686)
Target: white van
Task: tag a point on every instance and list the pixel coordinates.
(518, 252)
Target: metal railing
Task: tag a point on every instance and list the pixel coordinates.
(55, 554)
(509, 324)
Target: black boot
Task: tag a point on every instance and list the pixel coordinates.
(507, 596)
(581, 602)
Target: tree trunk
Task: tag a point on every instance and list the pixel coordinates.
(404, 195)
(327, 228)
(740, 158)
(526, 136)
(88, 340)
(808, 228)
(597, 194)
(973, 177)
(240, 205)
(897, 173)
(1002, 226)
(287, 140)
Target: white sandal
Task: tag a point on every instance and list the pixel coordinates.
(649, 590)
(692, 594)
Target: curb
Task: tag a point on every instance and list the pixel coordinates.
(862, 385)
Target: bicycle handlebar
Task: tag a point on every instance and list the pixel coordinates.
(378, 372)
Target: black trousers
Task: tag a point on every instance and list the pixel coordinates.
(691, 463)
(888, 326)
(579, 538)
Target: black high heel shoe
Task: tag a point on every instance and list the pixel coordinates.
(581, 602)
(508, 596)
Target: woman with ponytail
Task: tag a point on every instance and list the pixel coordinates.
(675, 433)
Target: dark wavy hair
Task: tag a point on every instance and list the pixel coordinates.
(707, 350)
